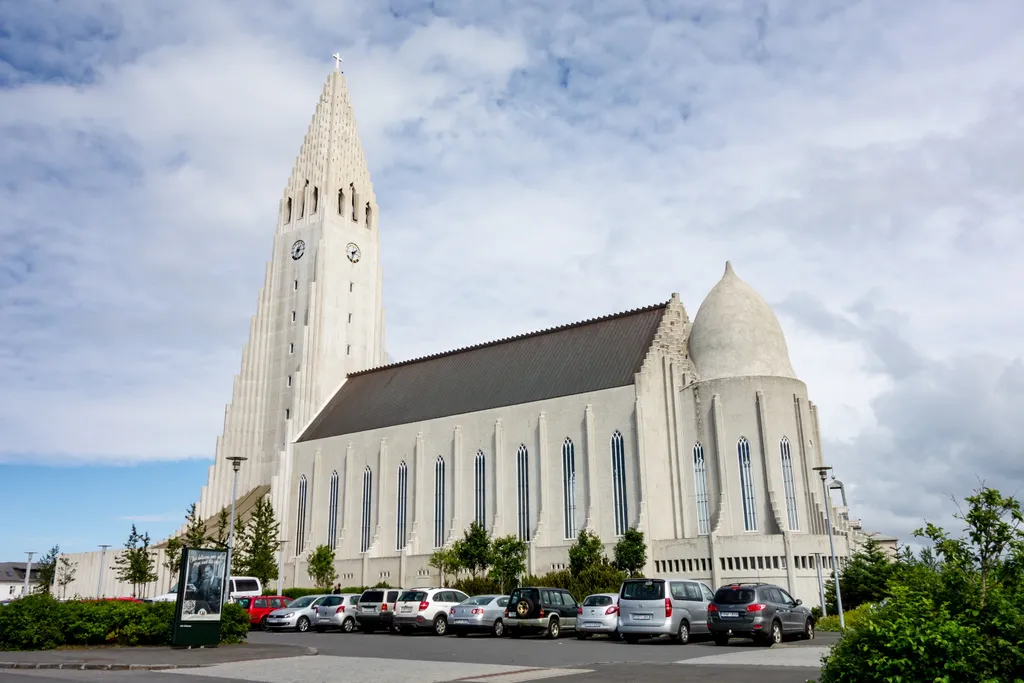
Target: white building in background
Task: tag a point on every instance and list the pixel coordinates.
(12, 580)
(699, 434)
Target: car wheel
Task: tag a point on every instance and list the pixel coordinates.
(348, 625)
(303, 625)
(554, 629)
(808, 633)
(498, 629)
(721, 640)
(263, 624)
(774, 635)
(683, 636)
(440, 625)
(524, 608)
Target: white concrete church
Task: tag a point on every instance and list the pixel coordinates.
(697, 433)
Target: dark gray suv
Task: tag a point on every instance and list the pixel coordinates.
(761, 611)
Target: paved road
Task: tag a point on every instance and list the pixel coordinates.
(359, 658)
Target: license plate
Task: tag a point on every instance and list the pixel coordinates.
(369, 609)
(591, 624)
(730, 615)
(407, 609)
(460, 621)
(641, 617)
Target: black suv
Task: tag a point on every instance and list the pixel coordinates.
(761, 611)
(548, 610)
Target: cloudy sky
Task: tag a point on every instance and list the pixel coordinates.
(535, 162)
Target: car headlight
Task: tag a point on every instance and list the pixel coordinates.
(287, 614)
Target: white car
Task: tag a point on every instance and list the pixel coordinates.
(241, 587)
(426, 608)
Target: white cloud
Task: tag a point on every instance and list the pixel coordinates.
(863, 151)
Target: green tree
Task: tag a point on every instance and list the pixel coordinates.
(865, 578)
(195, 529)
(474, 550)
(586, 552)
(219, 537)
(172, 558)
(240, 548)
(320, 566)
(261, 541)
(631, 552)
(508, 561)
(66, 570)
(597, 578)
(445, 561)
(136, 565)
(46, 570)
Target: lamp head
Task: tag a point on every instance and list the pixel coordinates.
(822, 471)
(236, 461)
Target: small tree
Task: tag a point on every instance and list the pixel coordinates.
(135, 565)
(445, 561)
(195, 530)
(239, 548)
(586, 552)
(474, 550)
(219, 537)
(508, 561)
(46, 570)
(864, 579)
(261, 534)
(320, 566)
(631, 552)
(172, 558)
(66, 570)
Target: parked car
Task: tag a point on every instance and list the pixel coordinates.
(533, 609)
(675, 608)
(761, 611)
(337, 611)
(426, 608)
(598, 615)
(299, 615)
(260, 608)
(241, 587)
(376, 609)
(479, 614)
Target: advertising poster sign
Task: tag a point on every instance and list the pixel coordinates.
(198, 608)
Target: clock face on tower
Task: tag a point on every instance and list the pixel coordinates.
(298, 249)
(352, 251)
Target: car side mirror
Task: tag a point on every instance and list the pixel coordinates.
(799, 602)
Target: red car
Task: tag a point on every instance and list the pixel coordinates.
(259, 608)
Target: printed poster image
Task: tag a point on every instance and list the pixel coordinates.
(202, 598)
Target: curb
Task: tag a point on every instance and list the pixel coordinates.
(85, 666)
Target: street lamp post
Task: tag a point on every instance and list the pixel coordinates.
(823, 472)
(280, 564)
(99, 582)
(28, 571)
(236, 462)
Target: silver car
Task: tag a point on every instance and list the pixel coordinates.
(480, 614)
(649, 608)
(337, 611)
(299, 615)
(599, 614)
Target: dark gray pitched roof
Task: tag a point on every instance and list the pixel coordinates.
(573, 359)
(15, 571)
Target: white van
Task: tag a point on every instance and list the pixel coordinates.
(241, 587)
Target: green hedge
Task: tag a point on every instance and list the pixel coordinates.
(39, 622)
(853, 618)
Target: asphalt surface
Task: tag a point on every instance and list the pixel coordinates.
(360, 658)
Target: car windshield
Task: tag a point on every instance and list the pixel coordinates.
(412, 596)
(304, 601)
(597, 601)
(734, 596)
(373, 596)
(479, 600)
(521, 593)
(643, 590)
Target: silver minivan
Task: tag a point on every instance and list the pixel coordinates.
(677, 608)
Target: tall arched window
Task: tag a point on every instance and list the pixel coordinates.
(789, 484)
(621, 506)
(569, 488)
(288, 211)
(439, 502)
(369, 216)
(332, 512)
(480, 488)
(352, 194)
(700, 478)
(523, 477)
(364, 538)
(316, 199)
(300, 517)
(747, 485)
(402, 516)
(341, 201)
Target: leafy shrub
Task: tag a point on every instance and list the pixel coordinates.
(853, 618)
(39, 622)
(477, 586)
(598, 578)
(561, 579)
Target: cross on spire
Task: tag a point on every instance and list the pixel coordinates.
(337, 61)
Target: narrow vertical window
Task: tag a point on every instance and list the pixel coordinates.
(700, 478)
(364, 540)
(332, 512)
(439, 501)
(295, 285)
(401, 534)
(348, 349)
(287, 413)
(316, 199)
(523, 479)
(341, 201)
(569, 488)
(291, 348)
(302, 200)
(289, 380)
(747, 485)
(369, 216)
(619, 501)
(789, 484)
(480, 488)
(352, 195)
(300, 517)
(293, 316)
(288, 211)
